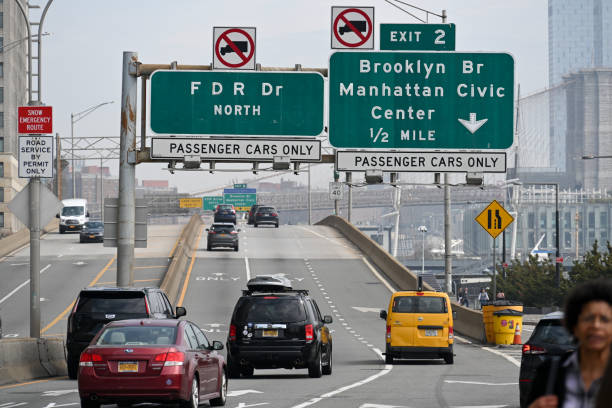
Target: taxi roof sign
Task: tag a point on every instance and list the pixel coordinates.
(494, 219)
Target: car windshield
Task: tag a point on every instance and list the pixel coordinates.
(271, 309)
(73, 211)
(551, 331)
(222, 228)
(137, 336)
(94, 225)
(419, 304)
(109, 302)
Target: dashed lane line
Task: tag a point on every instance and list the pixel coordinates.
(22, 285)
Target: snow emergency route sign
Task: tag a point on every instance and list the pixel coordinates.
(234, 48)
(35, 119)
(36, 156)
(352, 28)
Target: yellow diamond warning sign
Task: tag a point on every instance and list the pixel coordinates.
(494, 219)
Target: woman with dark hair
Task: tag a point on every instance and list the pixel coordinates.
(574, 380)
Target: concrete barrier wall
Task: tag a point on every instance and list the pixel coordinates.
(26, 359)
(21, 238)
(468, 322)
(182, 254)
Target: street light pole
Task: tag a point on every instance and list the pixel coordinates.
(78, 117)
(423, 230)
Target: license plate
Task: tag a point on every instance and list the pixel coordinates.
(431, 333)
(92, 236)
(72, 226)
(128, 366)
(222, 235)
(270, 333)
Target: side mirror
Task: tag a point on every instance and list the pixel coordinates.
(383, 314)
(327, 319)
(180, 311)
(238, 230)
(57, 215)
(217, 345)
(207, 229)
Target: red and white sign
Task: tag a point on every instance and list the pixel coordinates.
(352, 28)
(559, 260)
(36, 120)
(234, 48)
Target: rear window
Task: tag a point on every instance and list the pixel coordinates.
(419, 304)
(94, 225)
(271, 309)
(226, 206)
(265, 209)
(220, 228)
(551, 331)
(109, 302)
(137, 336)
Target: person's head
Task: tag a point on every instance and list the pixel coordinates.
(482, 289)
(588, 314)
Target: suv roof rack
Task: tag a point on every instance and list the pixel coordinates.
(270, 284)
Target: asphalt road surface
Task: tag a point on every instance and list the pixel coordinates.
(345, 287)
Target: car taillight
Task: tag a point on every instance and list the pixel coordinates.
(258, 213)
(233, 232)
(450, 332)
(388, 331)
(211, 232)
(274, 214)
(529, 349)
(88, 358)
(309, 332)
(171, 358)
(232, 332)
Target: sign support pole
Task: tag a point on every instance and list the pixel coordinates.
(309, 197)
(126, 218)
(448, 266)
(34, 257)
(494, 273)
(349, 181)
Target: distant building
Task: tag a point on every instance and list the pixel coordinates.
(13, 93)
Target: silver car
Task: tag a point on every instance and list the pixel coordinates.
(222, 234)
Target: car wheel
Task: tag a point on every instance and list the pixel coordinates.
(73, 367)
(255, 224)
(87, 403)
(327, 369)
(315, 367)
(277, 225)
(247, 371)
(233, 369)
(61, 230)
(220, 401)
(449, 358)
(208, 247)
(194, 395)
(124, 404)
(388, 358)
(81, 240)
(236, 248)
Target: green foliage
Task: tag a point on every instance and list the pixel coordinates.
(532, 282)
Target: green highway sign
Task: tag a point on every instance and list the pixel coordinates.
(240, 185)
(210, 203)
(421, 100)
(240, 200)
(237, 103)
(423, 37)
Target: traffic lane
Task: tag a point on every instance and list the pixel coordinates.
(296, 242)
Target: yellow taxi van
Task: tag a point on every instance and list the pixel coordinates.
(419, 326)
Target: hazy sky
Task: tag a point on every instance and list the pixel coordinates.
(83, 55)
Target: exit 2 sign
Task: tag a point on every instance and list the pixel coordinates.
(36, 120)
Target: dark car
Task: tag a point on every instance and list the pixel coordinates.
(265, 215)
(549, 338)
(92, 231)
(96, 306)
(149, 360)
(225, 213)
(275, 326)
(252, 212)
(222, 234)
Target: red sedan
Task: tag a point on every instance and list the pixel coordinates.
(152, 360)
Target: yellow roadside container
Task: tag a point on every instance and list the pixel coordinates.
(492, 307)
(505, 324)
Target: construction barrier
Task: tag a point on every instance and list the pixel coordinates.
(26, 359)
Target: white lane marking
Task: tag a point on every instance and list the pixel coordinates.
(381, 406)
(57, 393)
(22, 285)
(477, 382)
(380, 278)
(54, 405)
(366, 309)
(324, 237)
(244, 405)
(499, 353)
(248, 270)
(386, 370)
(479, 406)
(19, 264)
(462, 339)
(238, 393)
(60, 255)
(12, 404)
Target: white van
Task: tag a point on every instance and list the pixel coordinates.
(73, 215)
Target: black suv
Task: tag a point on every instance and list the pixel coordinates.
(549, 338)
(252, 212)
(265, 215)
(97, 306)
(275, 326)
